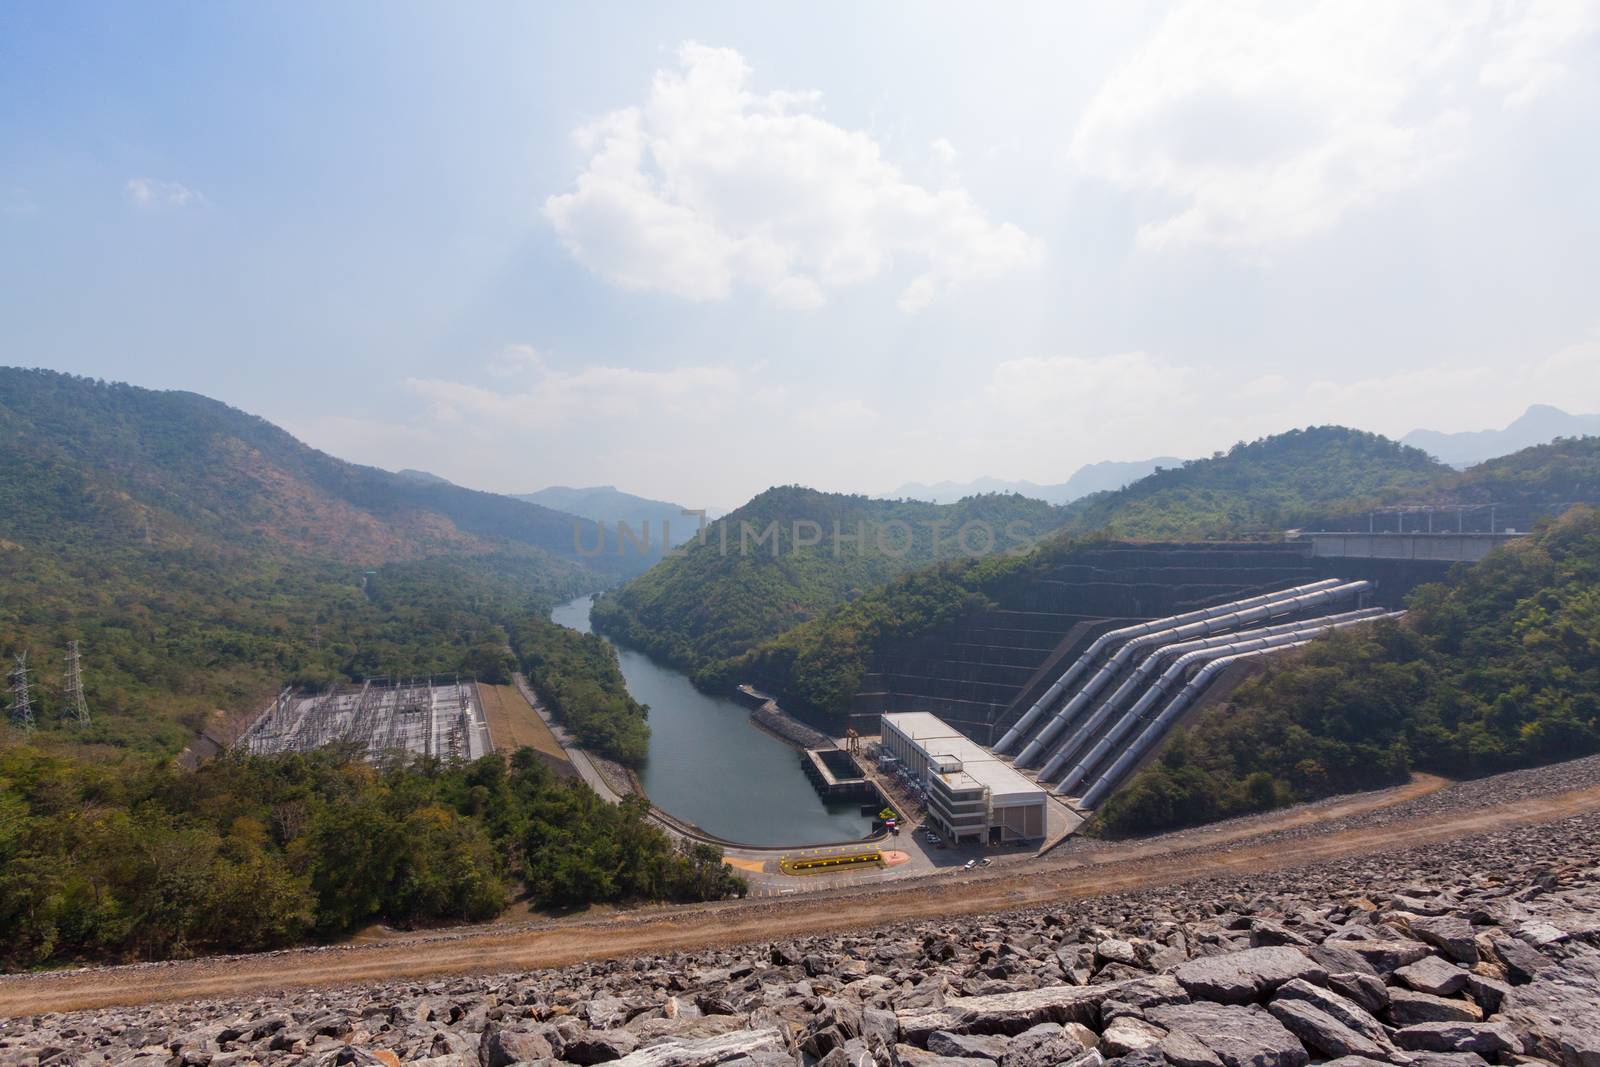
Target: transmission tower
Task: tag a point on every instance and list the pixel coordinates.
(21, 703)
(76, 706)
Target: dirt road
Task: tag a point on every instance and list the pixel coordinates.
(1225, 851)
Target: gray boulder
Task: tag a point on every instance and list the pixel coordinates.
(968, 1046)
(1407, 1007)
(1239, 1036)
(1042, 1046)
(1431, 974)
(1321, 1033)
(1485, 1039)
(1241, 977)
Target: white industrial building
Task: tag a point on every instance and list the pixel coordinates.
(972, 793)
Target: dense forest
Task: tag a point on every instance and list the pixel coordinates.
(1497, 668)
(203, 557)
(137, 860)
(578, 675)
(1511, 490)
(1259, 488)
(816, 665)
(726, 595)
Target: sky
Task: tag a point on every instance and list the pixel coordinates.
(695, 250)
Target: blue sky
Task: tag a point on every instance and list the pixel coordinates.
(695, 250)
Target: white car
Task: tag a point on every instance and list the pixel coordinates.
(969, 865)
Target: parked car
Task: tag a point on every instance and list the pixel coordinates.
(969, 865)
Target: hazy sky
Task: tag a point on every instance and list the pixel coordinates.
(696, 250)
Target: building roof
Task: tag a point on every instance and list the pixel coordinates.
(979, 766)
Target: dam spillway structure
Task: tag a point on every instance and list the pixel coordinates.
(382, 719)
(1115, 701)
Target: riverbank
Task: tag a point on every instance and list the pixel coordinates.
(712, 766)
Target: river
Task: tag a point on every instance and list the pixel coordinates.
(711, 765)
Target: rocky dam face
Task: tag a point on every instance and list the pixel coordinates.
(1482, 950)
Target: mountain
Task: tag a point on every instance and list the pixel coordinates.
(730, 591)
(608, 504)
(204, 556)
(179, 468)
(1254, 489)
(426, 477)
(1257, 488)
(1517, 491)
(1091, 478)
(1539, 425)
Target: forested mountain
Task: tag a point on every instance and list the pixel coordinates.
(1540, 424)
(203, 556)
(816, 666)
(120, 463)
(749, 579)
(1497, 667)
(1257, 488)
(610, 505)
(1522, 488)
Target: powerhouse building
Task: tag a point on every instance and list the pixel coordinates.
(973, 795)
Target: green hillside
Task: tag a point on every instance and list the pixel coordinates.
(1259, 488)
(731, 592)
(1251, 490)
(204, 557)
(1496, 668)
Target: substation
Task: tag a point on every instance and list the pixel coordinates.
(423, 717)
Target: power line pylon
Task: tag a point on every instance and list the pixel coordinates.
(21, 702)
(76, 706)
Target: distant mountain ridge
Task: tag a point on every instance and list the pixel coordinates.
(1539, 425)
(610, 505)
(1105, 476)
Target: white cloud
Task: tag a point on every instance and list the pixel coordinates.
(543, 397)
(707, 186)
(150, 194)
(943, 150)
(1254, 123)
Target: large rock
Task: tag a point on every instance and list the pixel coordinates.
(1128, 1034)
(912, 1056)
(764, 1046)
(1240, 1036)
(598, 1046)
(1450, 934)
(500, 1048)
(1185, 1050)
(1241, 977)
(1486, 1039)
(1386, 956)
(1042, 1046)
(1432, 974)
(1558, 1016)
(1009, 1013)
(1407, 1007)
(968, 1046)
(1336, 1006)
(1321, 1033)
